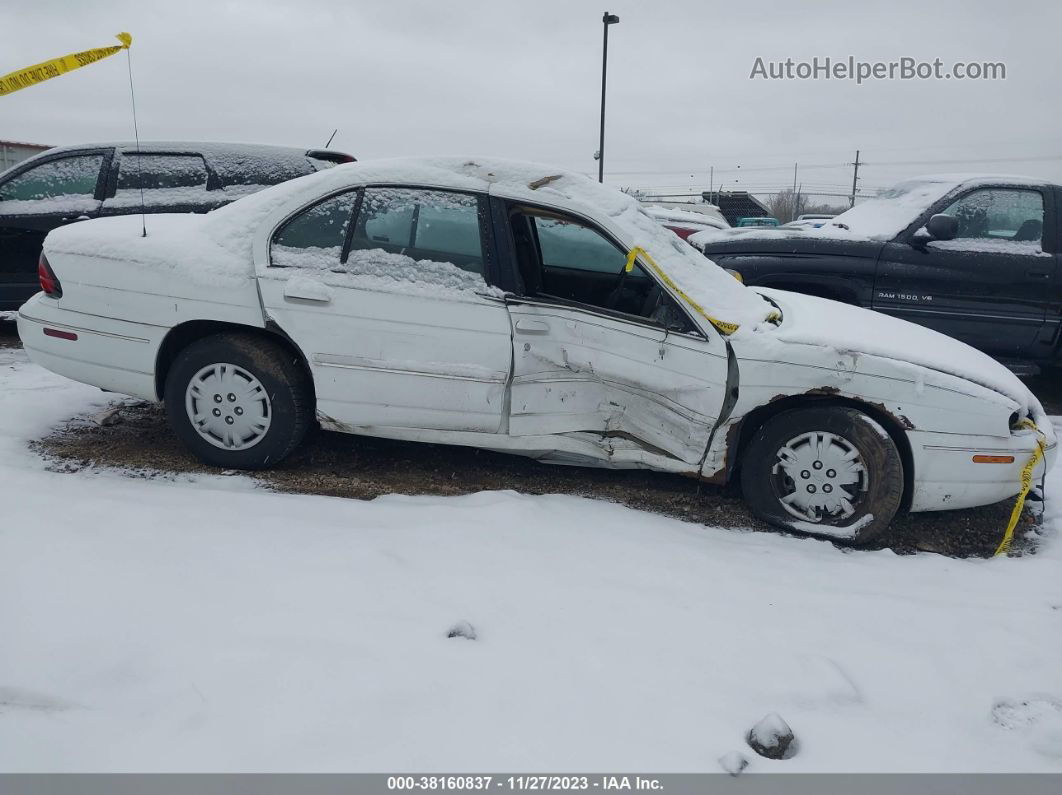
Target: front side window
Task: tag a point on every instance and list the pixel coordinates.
(69, 178)
(564, 258)
(155, 171)
(425, 225)
(314, 238)
(1000, 219)
(568, 246)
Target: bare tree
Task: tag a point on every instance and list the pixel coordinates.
(823, 209)
(787, 205)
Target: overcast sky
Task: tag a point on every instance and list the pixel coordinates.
(523, 80)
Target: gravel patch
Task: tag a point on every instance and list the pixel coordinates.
(141, 444)
(339, 465)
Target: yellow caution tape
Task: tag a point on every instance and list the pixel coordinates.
(722, 325)
(38, 73)
(1026, 484)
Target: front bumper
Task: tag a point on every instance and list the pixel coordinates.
(946, 476)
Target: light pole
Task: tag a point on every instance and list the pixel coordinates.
(607, 19)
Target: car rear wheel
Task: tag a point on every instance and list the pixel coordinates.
(238, 401)
(831, 471)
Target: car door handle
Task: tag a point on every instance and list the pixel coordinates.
(532, 326)
(308, 290)
(1038, 274)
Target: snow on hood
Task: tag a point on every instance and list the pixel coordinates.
(818, 321)
(880, 218)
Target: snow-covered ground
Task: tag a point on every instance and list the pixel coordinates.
(203, 624)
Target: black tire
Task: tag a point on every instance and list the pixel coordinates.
(874, 497)
(285, 399)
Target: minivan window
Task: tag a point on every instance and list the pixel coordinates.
(67, 177)
(155, 171)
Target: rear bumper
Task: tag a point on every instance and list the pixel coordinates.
(114, 355)
(946, 476)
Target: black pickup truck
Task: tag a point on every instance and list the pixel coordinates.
(976, 258)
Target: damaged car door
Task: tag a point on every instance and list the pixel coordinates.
(604, 354)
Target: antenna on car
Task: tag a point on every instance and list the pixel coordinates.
(136, 134)
(330, 137)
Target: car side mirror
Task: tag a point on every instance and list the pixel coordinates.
(942, 227)
(938, 227)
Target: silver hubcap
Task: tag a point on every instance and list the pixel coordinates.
(819, 475)
(228, 406)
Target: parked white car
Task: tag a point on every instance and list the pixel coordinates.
(685, 219)
(518, 308)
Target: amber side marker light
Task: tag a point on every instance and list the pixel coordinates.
(993, 459)
(63, 335)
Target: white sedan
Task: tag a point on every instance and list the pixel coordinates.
(518, 308)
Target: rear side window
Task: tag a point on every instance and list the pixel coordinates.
(404, 239)
(73, 177)
(314, 238)
(155, 171)
(423, 225)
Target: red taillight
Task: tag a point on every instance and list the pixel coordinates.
(49, 281)
(681, 231)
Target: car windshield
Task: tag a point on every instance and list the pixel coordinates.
(893, 210)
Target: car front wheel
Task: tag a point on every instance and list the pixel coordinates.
(238, 401)
(831, 471)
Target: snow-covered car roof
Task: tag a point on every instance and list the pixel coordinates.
(231, 160)
(206, 147)
(217, 248)
(710, 287)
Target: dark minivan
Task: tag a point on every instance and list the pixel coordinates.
(75, 183)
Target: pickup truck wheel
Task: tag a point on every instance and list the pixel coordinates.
(832, 472)
(238, 401)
